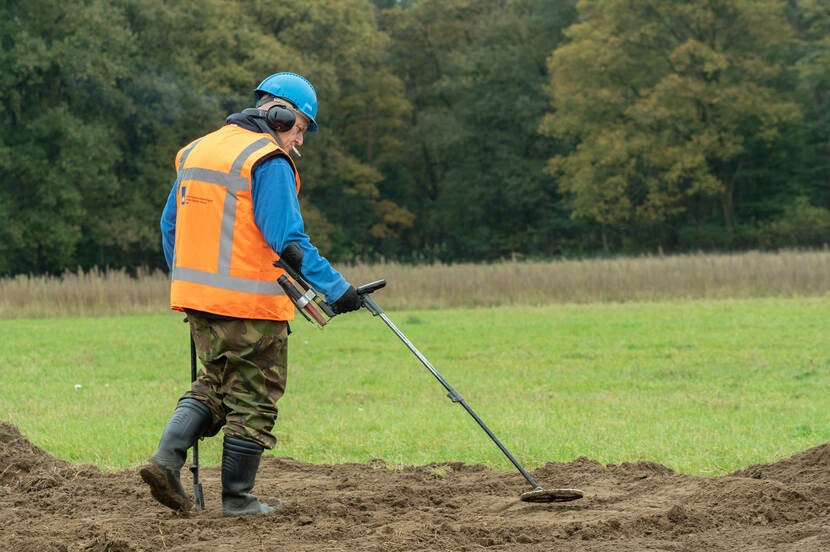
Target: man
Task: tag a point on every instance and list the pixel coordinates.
(232, 208)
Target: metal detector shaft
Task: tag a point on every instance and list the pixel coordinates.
(198, 496)
(453, 395)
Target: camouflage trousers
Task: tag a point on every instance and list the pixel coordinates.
(243, 374)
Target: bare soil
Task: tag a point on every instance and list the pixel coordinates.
(47, 504)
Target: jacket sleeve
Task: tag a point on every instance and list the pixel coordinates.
(277, 214)
(168, 227)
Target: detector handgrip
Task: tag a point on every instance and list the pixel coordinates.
(366, 289)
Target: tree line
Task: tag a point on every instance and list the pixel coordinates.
(450, 130)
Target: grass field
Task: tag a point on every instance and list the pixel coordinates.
(703, 386)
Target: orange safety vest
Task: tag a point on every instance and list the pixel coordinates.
(221, 262)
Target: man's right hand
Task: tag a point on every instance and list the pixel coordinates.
(293, 255)
(349, 301)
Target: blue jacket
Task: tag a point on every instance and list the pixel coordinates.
(277, 214)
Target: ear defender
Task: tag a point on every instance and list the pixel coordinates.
(278, 117)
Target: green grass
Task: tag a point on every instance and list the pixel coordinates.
(704, 387)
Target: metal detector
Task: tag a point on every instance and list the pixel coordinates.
(306, 299)
(537, 494)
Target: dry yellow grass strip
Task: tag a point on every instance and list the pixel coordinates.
(93, 293)
(752, 274)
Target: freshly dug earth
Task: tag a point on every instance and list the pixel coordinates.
(47, 504)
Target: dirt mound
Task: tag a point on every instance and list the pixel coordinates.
(804, 467)
(23, 466)
(47, 504)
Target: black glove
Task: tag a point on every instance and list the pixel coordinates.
(293, 255)
(348, 302)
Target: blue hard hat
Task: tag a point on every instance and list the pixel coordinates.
(295, 89)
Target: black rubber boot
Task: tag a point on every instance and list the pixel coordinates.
(240, 462)
(161, 472)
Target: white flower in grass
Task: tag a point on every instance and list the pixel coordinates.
(78, 386)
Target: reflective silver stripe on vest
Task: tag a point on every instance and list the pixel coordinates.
(223, 265)
(226, 282)
(229, 214)
(186, 152)
(232, 182)
(236, 168)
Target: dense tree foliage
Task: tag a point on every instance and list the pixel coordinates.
(450, 129)
(683, 119)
